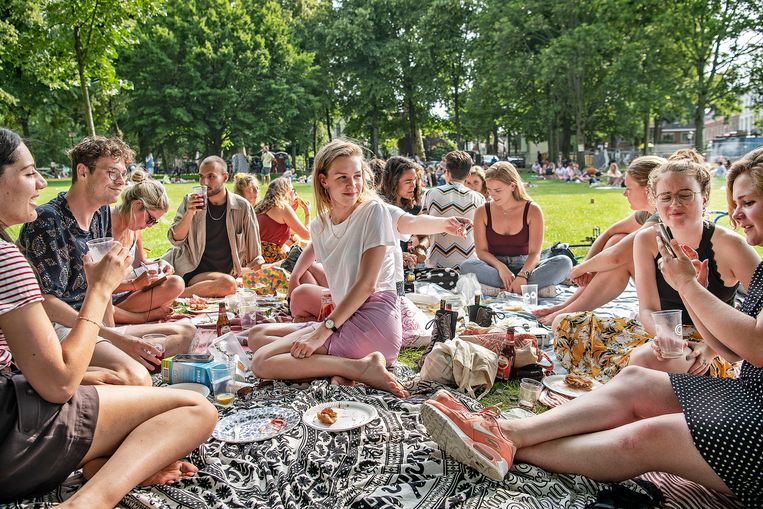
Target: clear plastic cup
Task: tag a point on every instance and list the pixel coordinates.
(669, 333)
(248, 310)
(529, 391)
(200, 191)
(223, 387)
(98, 248)
(530, 295)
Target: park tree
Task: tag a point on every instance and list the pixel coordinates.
(717, 41)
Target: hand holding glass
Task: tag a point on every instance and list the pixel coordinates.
(669, 333)
(98, 248)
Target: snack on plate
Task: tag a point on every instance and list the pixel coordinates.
(327, 416)
(578, 382)
(514, 306)
(197, 303)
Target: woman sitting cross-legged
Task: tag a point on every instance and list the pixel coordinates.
(50, 424)
(608, 266)
(354, 239)
(600, 346)
(508, 234)
(149, 296)
(704, 429)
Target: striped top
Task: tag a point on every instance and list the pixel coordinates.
(448, 201)
(18, 287)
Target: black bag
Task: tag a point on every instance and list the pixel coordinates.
(559, 248)
(482, 315)
(618, 496)
(446, 278)
(533, 371)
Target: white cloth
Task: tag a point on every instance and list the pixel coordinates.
(396, 213)
(340, 247)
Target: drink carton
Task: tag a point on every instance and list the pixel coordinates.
(181, 372)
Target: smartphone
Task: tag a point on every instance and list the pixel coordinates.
(193, 357)
(666, 237)
(161, 279)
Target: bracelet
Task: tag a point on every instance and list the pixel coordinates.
(521, 275)
(86, 319)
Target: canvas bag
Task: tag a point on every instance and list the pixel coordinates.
(461, 364)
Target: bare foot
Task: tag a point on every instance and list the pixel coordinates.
(549, 319)
(376, 375)
(340, 380)
(172, 473)
(547, 310)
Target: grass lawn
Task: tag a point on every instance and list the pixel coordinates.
(571, 212)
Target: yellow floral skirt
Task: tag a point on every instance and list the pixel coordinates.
(601, 346)
(272, 252)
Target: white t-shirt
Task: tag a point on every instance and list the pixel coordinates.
(396, 213)
(340, 247)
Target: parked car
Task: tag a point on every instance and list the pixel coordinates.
(490, 159)
(516, 160)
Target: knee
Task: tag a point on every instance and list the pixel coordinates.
(257, 337)
(632, 379)
(187, 332)
(259, 365)
(227, 285)
(642, 357)
(134, 374)
(614, 239)
(175, 284)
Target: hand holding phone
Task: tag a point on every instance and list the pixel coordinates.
(194, 357)
(665, 237)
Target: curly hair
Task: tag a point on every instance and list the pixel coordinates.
(277, 195)
(750, 164)
(243, 181)
(92, 148)
(393, 170)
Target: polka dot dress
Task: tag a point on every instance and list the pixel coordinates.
(725, 417)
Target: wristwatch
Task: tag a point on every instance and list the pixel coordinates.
(329, 324)
(525, 274)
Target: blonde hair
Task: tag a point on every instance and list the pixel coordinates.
(243, 181)
(323, 161)
(477, 170)
(641, 167)
(687, 162)
(750, 163)
(149, 192)
(505, 172)
(277, 195)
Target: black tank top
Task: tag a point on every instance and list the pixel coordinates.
(669, 298)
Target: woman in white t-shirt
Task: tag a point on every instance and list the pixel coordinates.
(353, 237)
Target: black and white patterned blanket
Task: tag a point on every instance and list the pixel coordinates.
(389, 463)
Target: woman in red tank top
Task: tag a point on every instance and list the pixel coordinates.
(508, 236)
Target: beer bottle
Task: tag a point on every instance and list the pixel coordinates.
(223, 324)
(507, 355)
(477, 298)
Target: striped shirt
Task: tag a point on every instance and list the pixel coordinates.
(18, 287)
(447, 201)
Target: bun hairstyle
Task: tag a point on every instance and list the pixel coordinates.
(138, 176)
(687, 162)
(641, 167)
(149, 192)
(243, 181)
(751, 164)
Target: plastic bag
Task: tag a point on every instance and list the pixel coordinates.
(227, 348)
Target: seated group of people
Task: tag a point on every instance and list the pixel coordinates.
(358, 240)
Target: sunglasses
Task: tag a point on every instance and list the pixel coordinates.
(150, 220)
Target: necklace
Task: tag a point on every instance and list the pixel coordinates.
(213, 218)
(342, 227)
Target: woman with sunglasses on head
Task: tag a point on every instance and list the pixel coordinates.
(147, 294)
(51, 425)
(602, 346)
(703, 429)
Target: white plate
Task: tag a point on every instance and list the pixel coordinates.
(209, 318)
(255, 424)
(349, 415)
(201, 389)
(556, 384)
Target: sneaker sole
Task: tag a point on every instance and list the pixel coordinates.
(457, 444)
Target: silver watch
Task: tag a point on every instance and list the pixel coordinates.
(329, 324)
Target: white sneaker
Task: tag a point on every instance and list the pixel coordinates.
(490, 291)
(547, 292)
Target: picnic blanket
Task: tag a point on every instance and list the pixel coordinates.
(390, 462)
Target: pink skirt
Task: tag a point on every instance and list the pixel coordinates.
(375, 327)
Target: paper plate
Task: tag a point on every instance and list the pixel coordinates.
(256, 424)
(556, 384)
(350, 415)
(200, 388)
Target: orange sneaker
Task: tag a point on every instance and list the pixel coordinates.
(472, 438)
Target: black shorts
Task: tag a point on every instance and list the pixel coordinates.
(43, 442)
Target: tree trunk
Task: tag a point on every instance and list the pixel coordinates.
(328, 124)
(699, 124)
(375, 140)
(495, 139)
(646, 135)
(566, 138)
(411, 123)
(83, 83)
(457, 106)
(315, 137)
(114, 120)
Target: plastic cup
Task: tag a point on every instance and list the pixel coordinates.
(157, 341)
(200, 191)
(529, 390)
(248, 310)
(222, 385)
(530, 295)
(669, 333)
(97, 248)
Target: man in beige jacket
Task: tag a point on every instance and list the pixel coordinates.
(214, 238)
